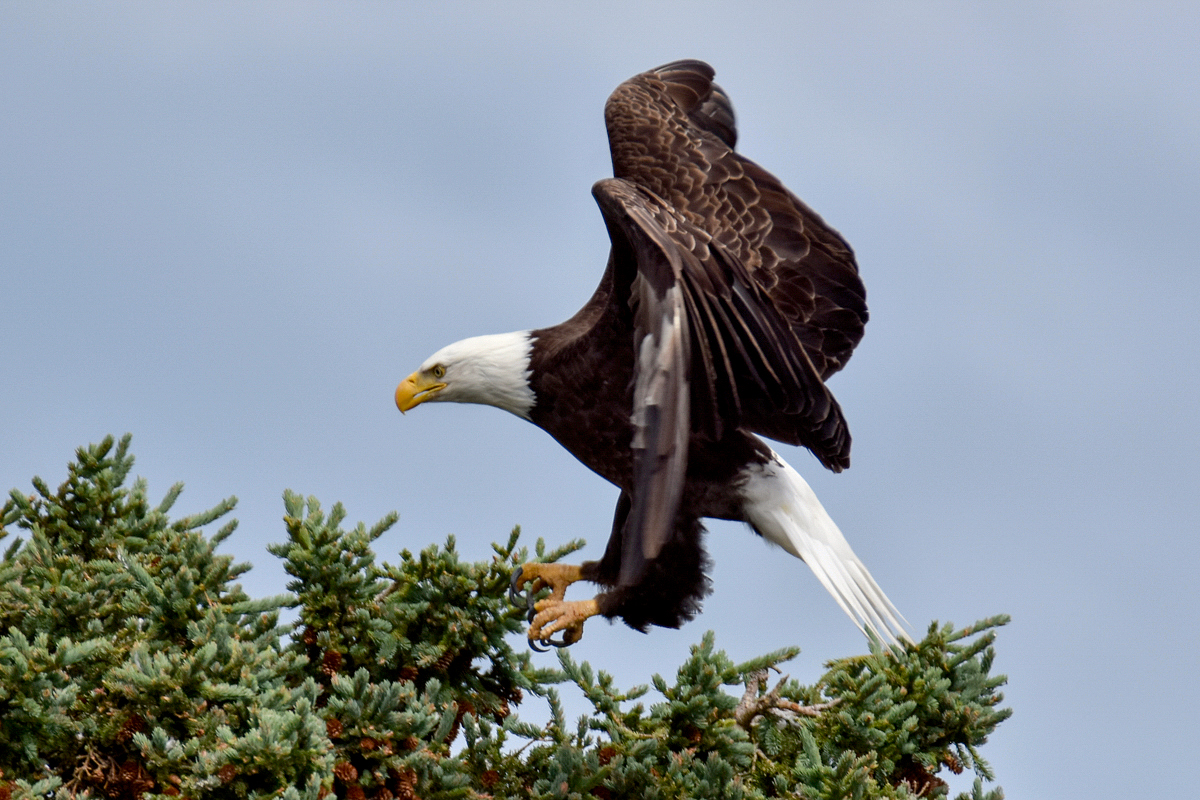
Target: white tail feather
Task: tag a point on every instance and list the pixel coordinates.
(784, 509)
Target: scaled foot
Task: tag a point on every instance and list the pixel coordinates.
(557, 577)
(553, 613)
(553, 616)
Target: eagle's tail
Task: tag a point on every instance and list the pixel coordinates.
(782, 507)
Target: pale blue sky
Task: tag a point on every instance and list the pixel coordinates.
(231, 229)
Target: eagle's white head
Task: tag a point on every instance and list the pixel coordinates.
(492, 370)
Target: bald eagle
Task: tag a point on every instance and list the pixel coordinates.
(726, 304)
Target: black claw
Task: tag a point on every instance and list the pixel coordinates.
(514, 587)
(537, 645)
(570, 635)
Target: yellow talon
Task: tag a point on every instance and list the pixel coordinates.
(559, 615)
(554, 613)
(555, 576)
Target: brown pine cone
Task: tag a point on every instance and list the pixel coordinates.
(331, 663)
(135, 724)
(443, 663)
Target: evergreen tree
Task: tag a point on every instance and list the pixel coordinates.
(133, 666)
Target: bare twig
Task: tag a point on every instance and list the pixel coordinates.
(753, 706)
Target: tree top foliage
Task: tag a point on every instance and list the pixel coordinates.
(132, 665)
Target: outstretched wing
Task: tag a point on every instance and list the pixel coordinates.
(672, 131)
(744, 300)
(711, 351)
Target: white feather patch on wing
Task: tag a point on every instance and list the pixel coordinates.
(661, 425)
(781, 506)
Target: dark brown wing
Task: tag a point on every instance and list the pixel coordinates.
(649, 273)
(710, 351)
(743, 299)
(671, 130)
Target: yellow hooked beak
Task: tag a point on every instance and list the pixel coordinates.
(416, 389)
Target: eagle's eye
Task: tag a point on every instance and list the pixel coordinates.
(439, 372)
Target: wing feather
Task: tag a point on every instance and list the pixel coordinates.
(672, 131)
(691, 302)
(652, 265)
(731, 279)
